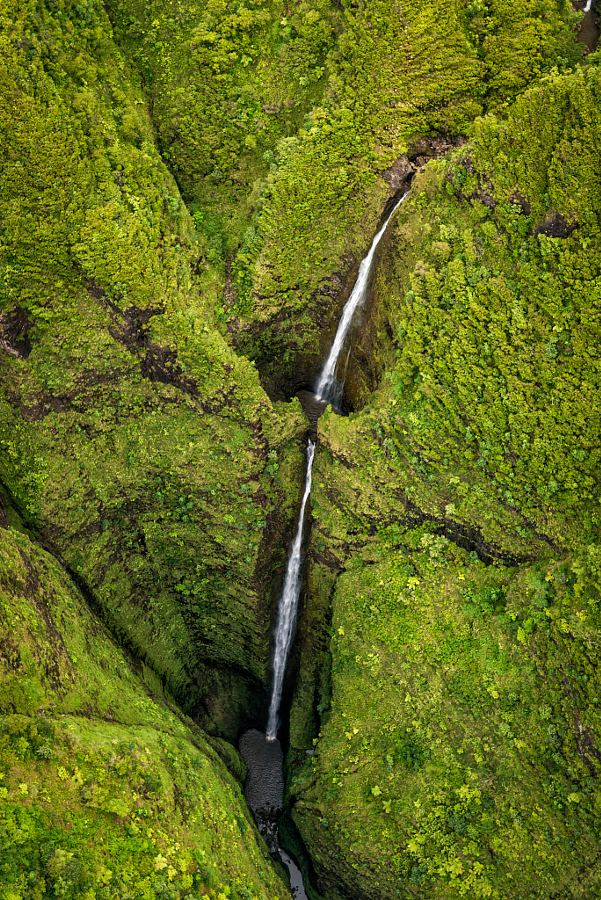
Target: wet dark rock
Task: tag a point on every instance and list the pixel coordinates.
(434, 147)
(399, 172)
(264, 792)
(3, 516)
(402, 169)
(487, 200)
(14, 326)
(589, 32)
(313, 408)
(284, 381)
(556, 226)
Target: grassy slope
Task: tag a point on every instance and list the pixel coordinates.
(457, 754)
(143, 449)
(104, 791)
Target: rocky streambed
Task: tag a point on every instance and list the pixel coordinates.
(264, 792)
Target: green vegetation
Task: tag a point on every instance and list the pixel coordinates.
(185, 192)
(397, 75)
(105, 791)
(279, 121)
(456, 537)
(142, 448)
(458, 754)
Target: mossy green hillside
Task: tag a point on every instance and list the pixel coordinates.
(487, 417)
(142, 449)
(227, 82)
(456, 533)
(398, 74)
(105, 791)
(459, 753)
(506, 310)
(141, 446)
(279, 123)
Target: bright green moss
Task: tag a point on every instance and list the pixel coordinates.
(456, 538)
(286, 118)
(104, 791)
(141, 446)
(451, 760)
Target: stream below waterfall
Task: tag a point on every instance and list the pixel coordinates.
(262, 753)
(588, 32)
(264, 792)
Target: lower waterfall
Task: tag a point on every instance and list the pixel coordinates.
(288, 606)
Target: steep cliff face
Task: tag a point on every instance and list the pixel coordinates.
(143, 449)
(398, 72)
(187, 187)
(105, 790)
(282, 122)
(455, 547)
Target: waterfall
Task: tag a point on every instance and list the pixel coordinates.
(288, 606)
(587, 8)
(262, 753)
(330, 390)
(328, 387)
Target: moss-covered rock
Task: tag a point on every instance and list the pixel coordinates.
(143, 449)
(182, 179)
(456, 538)
(105, 790)
(459, 753)
(281, 124)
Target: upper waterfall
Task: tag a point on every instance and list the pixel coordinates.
(328, 387)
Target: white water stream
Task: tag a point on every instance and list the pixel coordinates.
(288, 607)
(587, 8)
(330, 390)
(264, 785)
(328, 387)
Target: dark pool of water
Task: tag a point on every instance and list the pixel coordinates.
(264, 792)
(588, 32)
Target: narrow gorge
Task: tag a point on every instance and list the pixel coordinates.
(264, 785)
(300, 542)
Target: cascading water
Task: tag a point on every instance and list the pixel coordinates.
(262, 753)
(264, 787)
(328, 387)
(288, 607)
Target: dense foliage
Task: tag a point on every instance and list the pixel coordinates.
(458, 751)
(105, 791)
(279, 122)
(186, 187)
(126, 420)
